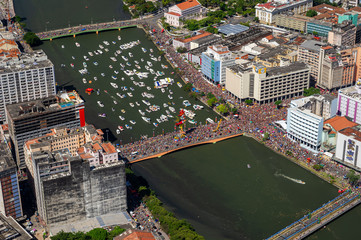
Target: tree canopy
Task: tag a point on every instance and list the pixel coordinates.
(310, 91)
(32, 39)
(311, 13)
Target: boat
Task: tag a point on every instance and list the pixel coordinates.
(146, 119)
(101, 46)
(137, 103)
(130, 54)
(179, 84)
(114, 85)
(72, 57)
(155, 124)
(172, 109)
(131, 104)
(146, 102)
(123, 111)
(141, 112)
(103, 74)
(151, 50)
(249, 166)
(95, 78)
(186, 103)
(132, 122)
(115, 102)
(119, 38)
(170, 97)
(117, 131)
(127, 126)
(210, 120)
(120, 128)
(192, 121)
(90, 54)
(72, 65)
(121, 118)
(103, 115)
(114, 77)
(163, 90)
(113, 109)
(77, 44)
(100, 104)
(110, 66)
(62, 46)
(142, 59)
(84, 80)
(165, 105)
(130, 94)
(144, 50)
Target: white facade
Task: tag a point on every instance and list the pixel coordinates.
(28, 78)
(190, 9)
(348, 147)
(303, 126)
(349, 102)
(266, 11)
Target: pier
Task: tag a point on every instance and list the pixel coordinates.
(311, 222)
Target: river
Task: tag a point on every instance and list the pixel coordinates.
(215, 189)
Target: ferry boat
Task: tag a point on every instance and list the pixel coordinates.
(77, 44)
(100, 104)
(103, 115)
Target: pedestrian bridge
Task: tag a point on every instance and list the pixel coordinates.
(319, 218)
(90, 28)
(183, 147)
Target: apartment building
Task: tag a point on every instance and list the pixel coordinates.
(10, 200)
(266, 11)
(305, 119)
(190, 9)
(264, 85)
(24, 76)
(98, 153)
(291, 21)
(318, 27)
(214, 63)
(69, 183)
(343, 34)
(30, 119)
(348, 147)
(349, 102)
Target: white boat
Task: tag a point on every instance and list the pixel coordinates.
(100, 104)
(141, 112)
(155, 124)
(132, 122)
(149, 64)
(172, 109)
(117, 131)
(115, 102)
(62, 46)
(137, 103)
(170, 97)
(130, 94)
(95, 78)
(179, 84)
(127, 126)
(119, 38)
(130, 54)
(120, 128)
(163, 90)
(101, 46)
(131, 104)
(146, 119)
(142, 59)
(186, 103)
(95, 63)
(102, 74)
(114, 77)
(144, 50)
(84, 80)
(77, 44)
(114, 85)
(165, 105)
(121, 118)
(110, 66)
(192, 121)
(146, 102)
(210, 120)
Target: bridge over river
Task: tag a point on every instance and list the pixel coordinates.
(90, 28)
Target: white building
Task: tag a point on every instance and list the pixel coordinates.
(348, 147)
(264, 85)
(99, 153)
(26, 77)
(190, 9)
(303, 125)
(349, 102)
(266, 11)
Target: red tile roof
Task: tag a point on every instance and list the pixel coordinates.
(339, 123)
(352, 132)
(175, 14)
(109, 148)
(97, 147)
(188, 4)
(135, 235)
(356, 9)
(203, 34)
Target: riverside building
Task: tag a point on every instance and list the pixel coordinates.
(305, 119)
(264, 85)
(35, 118)
(24, 76)
(190, 9)
(349, 102)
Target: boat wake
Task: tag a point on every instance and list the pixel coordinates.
(289, 178)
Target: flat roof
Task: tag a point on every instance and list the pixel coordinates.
(6, 160)
(286, 69)
(312, 45)
(232, 29)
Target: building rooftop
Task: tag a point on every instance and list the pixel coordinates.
(352, 132)
(326, 8)
(188, 4)
(24, 61)
(229, 29)
(295, 66)
(11, 229)
(39, 106)
(275, 5)
(340, 123)
(135, 235)
(191, 39)
(352, 92)
(6, 160)
(173, 13)
(312, 45)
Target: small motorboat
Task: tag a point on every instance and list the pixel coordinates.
(103, 115)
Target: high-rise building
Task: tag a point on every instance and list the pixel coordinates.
(68, 189)
(349, 102)
(343, 34)
(10, 201)
(35, 118)
(214, 63)
(24, 77)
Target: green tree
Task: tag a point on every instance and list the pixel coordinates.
(187, 87)
(248, 102)
(317, 167)
(212, 29)
(265, 136)
(115, 232)
(181, 49)
(352, 177)
(315, 33)
(256, 19)
(98, 234)
(279, 102)
(210, 95)
(310, 91)
(311, 13)
(32, 39)
(211, 102)
(222, 108)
